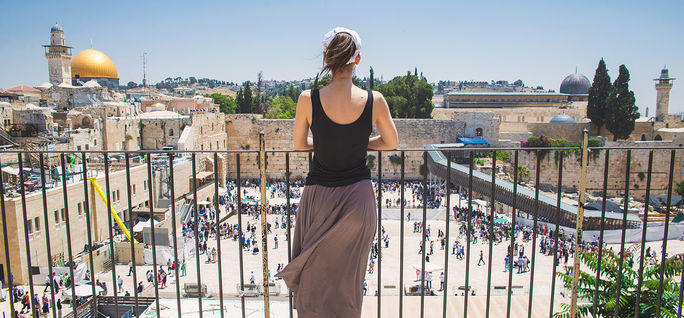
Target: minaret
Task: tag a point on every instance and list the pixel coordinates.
(58, 56)
(663, 86)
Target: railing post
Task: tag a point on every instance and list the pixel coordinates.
(264, 237)
(580, 221)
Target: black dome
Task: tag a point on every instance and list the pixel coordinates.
(575, 84)
(56, 28)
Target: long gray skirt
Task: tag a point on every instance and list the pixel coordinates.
(335, 227)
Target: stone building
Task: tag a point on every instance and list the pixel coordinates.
(527, 106)
(161, 128)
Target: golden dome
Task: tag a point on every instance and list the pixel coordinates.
(93, 63)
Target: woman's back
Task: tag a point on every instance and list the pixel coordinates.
(341, 127)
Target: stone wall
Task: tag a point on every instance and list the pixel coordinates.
(616, 169)
(243, 134)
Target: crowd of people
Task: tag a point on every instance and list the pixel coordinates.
(560, 246)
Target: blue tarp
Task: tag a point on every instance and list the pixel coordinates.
(472, 141)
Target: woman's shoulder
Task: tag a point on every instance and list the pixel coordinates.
(306, 95)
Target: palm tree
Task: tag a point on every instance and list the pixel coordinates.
(607, 286)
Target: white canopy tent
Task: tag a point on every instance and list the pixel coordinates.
(142, 225)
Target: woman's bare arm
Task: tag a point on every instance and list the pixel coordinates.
(302, 141)
(387, 140)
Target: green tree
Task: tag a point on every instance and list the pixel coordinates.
(599, 92)
(680, 188)
(245, 100)
(523, 172)
(192, 79)
(371, 83)
(325, 80)
(408, 96)
(132, 84)
(608, 287)
(227, 104)
(622, 112)
(321, 82)
(293, 93)
(282, 108)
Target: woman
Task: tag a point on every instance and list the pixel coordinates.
(336, 219)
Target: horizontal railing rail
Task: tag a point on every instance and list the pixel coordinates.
(501, 210)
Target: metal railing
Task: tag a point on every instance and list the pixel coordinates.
(473, 222)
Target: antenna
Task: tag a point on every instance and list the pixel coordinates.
(144, 62)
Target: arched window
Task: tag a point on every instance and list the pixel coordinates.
(478, 132)
(643, 137)
(658, 138)
(171, 132)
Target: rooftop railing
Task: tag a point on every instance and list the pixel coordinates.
(613, 279)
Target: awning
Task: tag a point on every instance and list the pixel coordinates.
(142, 225)
(429, 267)
(472, 141)
(10, 170)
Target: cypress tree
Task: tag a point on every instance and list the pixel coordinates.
(248, 102)
(622, 111)
(598, 95)
(372, 79)
(239, 100)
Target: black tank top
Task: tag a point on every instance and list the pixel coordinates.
(339, 150)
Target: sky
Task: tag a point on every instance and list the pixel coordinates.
(539, 42)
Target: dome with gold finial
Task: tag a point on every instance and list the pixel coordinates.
(92, 63)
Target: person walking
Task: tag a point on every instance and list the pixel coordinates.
(481, 261)
(441, 281)
(337, 206)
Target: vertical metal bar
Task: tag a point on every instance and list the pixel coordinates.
(511, 251)
(289, 222)
(491, 235)
(446, 244)
(378, 245)
(240, 235)
(603, 225)
(534, 231)
(681, 292)
(624, 229)
(401, 241)
(665, 233)
(26, 233)
(86, 210)
(111, 234)
(264, 224)
(423, 228)
(469, 228)
(68, 233)
(150, 200)
(637, 310)
(196, 234)
(47, 234)
(10, 277)
(218, 231)
(132, 239)
(172, 188)
(579, 224)
(557, 216)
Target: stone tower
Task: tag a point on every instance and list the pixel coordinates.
(58, 56)
(663, 86)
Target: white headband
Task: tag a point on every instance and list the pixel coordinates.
(327, 38)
